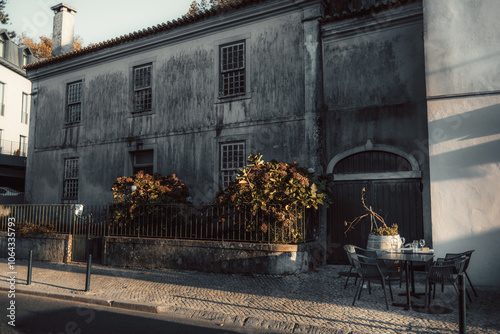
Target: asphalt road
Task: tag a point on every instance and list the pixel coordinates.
(46, 315)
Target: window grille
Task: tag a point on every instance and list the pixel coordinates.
(70, 190)
(232, 69)
(232, 158)
(142, 88)
(74, 99)
(24, 109)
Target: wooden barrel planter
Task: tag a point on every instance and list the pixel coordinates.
(382, 242)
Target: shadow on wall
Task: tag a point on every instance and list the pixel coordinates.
(462, 162)
(484, 267)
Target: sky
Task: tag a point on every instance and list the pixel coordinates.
(95, 20)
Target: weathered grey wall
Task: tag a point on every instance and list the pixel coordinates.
(210, 256)
(462, 54)
(188, 121)
(46, 247)
(375, 87)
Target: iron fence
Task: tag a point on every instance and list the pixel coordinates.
(224, 223)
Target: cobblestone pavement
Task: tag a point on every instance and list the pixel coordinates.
(314, 302)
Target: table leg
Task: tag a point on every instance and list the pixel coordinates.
(407, 274)
(412, 279)
(407, 277)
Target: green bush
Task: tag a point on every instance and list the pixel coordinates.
(278, 190)
(141, 205)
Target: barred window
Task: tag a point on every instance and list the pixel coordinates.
(24, 109)
(143, 160)
(232, 69)
(142, 88)
(70, 190)
(232, 158)
(74, 99)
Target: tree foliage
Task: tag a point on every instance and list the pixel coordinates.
(278, 190)
(43, 48)
(203, 5)
(4, 17)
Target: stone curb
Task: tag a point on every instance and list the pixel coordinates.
(226, 319)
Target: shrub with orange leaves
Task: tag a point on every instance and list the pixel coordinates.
(276, 190)
(137, 197)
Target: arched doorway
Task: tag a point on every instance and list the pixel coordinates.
(393, 184)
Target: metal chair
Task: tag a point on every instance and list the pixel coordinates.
(369, 270)
(467, 254)
(350, 251)
(443, 271)
(391, 269)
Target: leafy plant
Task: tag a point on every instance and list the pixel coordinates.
(277, 190)
(27, 229)
(135, 198)
(374, 217)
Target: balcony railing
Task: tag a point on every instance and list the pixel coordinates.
(9, 147)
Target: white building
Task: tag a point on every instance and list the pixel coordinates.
(15, 93)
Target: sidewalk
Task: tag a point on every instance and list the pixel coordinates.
(314, 302)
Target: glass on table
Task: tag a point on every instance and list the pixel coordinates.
(414, 245)
(422, 243)
(403, 242)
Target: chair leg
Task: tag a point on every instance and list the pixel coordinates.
(360, 285)
(468, 295)
(385, 293)
(369, 287)
(347, 279)
(434, 292)
(390, 289)
(427, 298)
(470, 283)
(361, 289)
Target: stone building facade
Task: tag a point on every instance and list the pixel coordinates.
(351, 88)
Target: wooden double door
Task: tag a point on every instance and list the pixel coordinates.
(398, 201)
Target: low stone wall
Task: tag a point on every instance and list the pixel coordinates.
(45, 247)
(211, 256)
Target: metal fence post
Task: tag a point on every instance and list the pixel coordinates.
(462, 304)
(30, 266)
(89, 264)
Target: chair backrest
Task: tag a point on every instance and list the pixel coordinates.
(467, 253)
(365, 252)
(350, 251)
(368, 267)
(445, 270)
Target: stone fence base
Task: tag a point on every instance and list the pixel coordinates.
(212, 256)
(45, 247)
(208, 256)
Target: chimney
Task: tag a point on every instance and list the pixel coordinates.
(64, 24)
